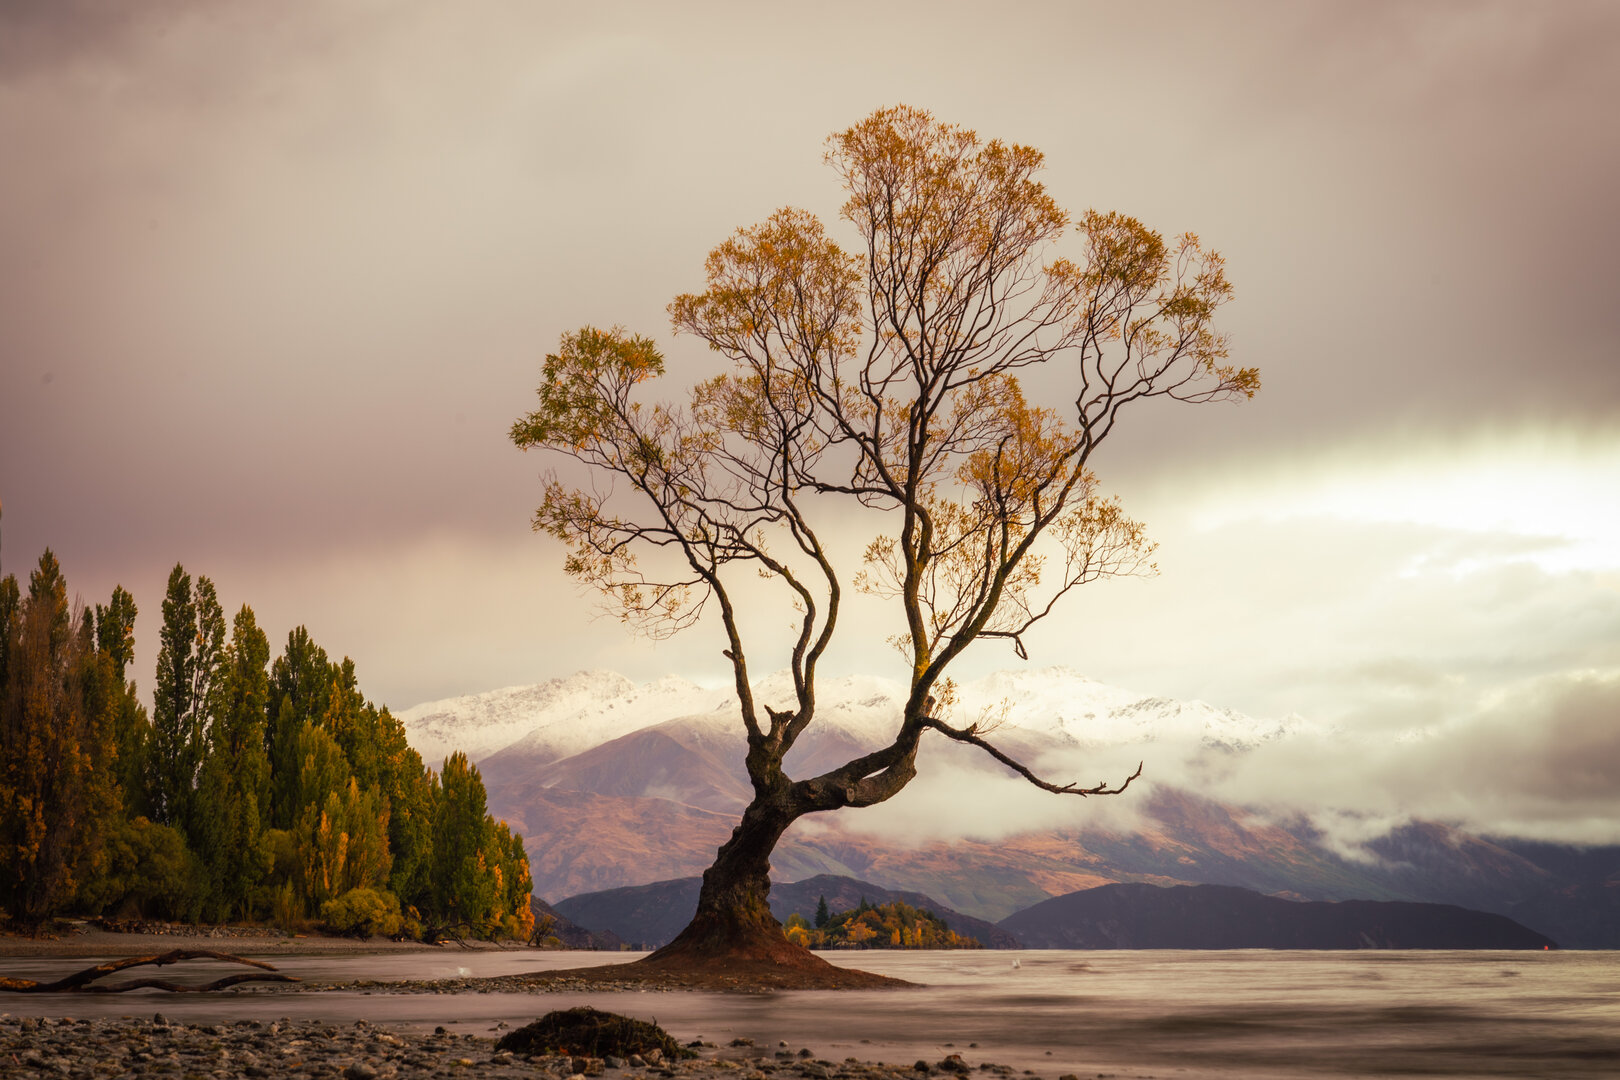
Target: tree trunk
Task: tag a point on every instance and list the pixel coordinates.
(733, 941)
(733, 922)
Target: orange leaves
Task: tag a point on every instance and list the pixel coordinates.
(1158, 302)
(1021, 451)
(884, 377)
(919, 187)
(780, 295)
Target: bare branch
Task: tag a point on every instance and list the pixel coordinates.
(79, 981)
(969, 736)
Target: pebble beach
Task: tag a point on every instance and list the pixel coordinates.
(128, 1048)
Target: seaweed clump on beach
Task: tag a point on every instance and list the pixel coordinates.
(593, 1033)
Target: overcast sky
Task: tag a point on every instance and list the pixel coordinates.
(275, 280)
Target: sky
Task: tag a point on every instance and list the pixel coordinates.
(276, 279)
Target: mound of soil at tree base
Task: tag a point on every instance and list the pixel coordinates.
(741, 972)
(591, 1033)
(722, 953)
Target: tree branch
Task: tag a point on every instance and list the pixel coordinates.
(79, 981)
(969, 736)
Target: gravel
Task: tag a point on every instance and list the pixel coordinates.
(34, 1048)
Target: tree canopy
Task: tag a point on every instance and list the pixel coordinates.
(254, 789)
(879, 386)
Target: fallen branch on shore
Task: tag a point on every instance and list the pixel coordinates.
(80, 982)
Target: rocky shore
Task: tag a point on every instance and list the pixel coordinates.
(33, 1048)
(85, 939)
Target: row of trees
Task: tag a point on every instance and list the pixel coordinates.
(252, 790)
(896, 925)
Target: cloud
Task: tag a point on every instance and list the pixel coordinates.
(1535, 760)
(961, 793)
(275, 280)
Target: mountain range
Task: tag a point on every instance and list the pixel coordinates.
(614, 784)
(651, 915)
(1222, 917)
(1134, 916)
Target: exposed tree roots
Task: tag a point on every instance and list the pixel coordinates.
(80, 982)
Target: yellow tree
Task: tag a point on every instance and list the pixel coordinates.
(880, 385)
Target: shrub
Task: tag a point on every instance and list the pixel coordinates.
(362, 912)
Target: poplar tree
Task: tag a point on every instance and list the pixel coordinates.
(466, 890)
(323, 772)
(56, 784)
(517, 910)
(300, 687)
(189, 659)
(409, 790)
(234, 790)
(115, 638)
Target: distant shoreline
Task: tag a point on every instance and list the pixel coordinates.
(89, 942)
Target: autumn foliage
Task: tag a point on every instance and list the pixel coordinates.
(252, 791)
(935, 378)
(895, 925)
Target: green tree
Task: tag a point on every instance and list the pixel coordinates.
(233, 794)
(322, 774)
(878, 388)
(822, 914)
(56, 753)
(10, 625)
(143, 870)
(115, 637)
(300, 686)
(115, 629)
(354, 723)
(346, 843)
(406, 784)
(190, 654)
(467, 891)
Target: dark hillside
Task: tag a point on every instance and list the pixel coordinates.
(1223, 917)
(652, 915)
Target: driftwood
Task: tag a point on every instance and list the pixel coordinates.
(80, 981)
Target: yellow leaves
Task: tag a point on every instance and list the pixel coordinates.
(885, 380)
(1023, 450)
(780, 294)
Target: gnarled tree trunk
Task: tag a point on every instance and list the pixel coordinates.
(733, 930)
(733, 918)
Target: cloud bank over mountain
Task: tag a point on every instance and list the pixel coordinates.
(1537, 763)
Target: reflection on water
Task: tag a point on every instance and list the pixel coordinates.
(1131, 1014)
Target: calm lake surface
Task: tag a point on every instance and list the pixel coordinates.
(1188, 1015)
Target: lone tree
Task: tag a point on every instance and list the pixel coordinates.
(878, 388)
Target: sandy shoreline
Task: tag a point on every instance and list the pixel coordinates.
(96, 944)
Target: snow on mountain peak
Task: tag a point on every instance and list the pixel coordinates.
(562, 717)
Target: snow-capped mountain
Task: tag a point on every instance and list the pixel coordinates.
(614, 784)
(1043, 708)
(552, 719)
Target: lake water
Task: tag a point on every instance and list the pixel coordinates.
(1186, 1015)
